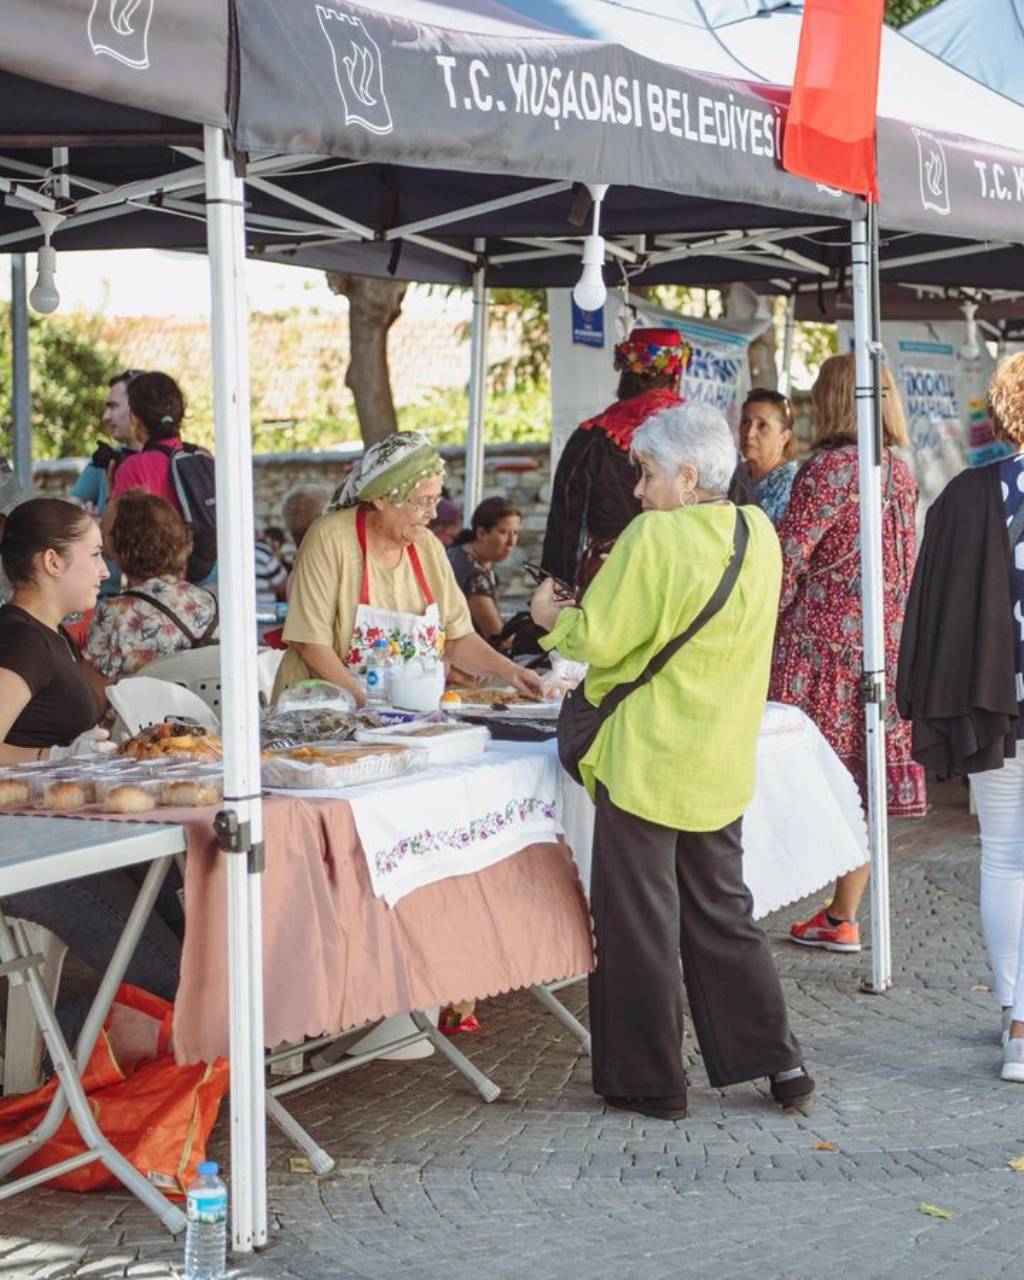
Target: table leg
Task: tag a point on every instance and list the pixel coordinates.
(559, 1011)
(70, 1094)
(486, 1088)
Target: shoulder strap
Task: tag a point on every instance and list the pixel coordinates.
(195, 641)
(721, 593)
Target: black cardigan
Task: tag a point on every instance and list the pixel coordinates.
(957, 680)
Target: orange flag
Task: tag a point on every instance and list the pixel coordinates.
(830, 131)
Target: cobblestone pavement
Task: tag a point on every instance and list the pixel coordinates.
(544, 1183)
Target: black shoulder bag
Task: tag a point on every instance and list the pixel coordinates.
(579, 721)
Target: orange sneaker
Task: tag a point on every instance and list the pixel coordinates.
(819, 931)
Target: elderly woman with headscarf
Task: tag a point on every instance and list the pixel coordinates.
(369, 569)
(671, 771)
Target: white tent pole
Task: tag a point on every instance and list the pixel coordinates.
(873, 679)
(477, 389)
(786, 372)
(240, 824)
(21, 403)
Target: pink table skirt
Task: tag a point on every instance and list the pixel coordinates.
(336, 957)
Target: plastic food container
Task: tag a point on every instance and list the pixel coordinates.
(192, 788)
(14, 790)
(325, 768)
(442, 742)
(60, 791)
(128, 792)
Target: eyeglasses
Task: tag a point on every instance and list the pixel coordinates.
(125, 377)
(423, 504)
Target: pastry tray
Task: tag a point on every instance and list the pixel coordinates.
(323, 767)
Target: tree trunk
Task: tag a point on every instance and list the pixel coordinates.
(764, 371)
(374, 306)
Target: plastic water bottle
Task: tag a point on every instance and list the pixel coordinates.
(206, 1237)
(378, 672)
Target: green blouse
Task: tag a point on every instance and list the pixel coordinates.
(680, 751)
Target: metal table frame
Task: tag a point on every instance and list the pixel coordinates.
(320, 1160)
(36, 851)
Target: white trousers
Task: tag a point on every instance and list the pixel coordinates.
(999, 800)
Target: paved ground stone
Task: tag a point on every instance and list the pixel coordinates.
(544, 1183)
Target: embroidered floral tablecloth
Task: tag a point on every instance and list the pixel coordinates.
(454, 820)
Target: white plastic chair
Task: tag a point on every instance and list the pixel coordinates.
(267, 663)
(195, 669)
(141, 701)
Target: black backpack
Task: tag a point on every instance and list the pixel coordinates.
(193, 476)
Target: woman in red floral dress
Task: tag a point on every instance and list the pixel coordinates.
(819, 648)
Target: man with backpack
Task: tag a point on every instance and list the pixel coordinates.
(169, 468)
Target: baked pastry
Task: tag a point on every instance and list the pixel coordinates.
(64, 795)
(129, 798)
(189, 793)
(13, 791)
(173, 739)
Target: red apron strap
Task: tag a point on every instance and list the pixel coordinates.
(414, 560)
(364, 590)
(421, 577)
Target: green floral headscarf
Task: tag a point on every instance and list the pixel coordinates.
(390, 469)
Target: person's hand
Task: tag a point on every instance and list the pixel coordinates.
(93, 742)
(527, 682)
(546, 605)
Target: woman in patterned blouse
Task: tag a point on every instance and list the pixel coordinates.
(819, 653)
(767, 443)
(159, 613)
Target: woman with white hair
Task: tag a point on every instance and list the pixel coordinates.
(671, 771)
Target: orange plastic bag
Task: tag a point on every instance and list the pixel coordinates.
(157, 1114)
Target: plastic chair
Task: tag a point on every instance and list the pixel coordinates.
(194, 669)
(141, 701)
(267, 663)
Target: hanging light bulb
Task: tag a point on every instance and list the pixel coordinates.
(590, 292)
(44, 297)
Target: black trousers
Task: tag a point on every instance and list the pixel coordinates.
(658, 896)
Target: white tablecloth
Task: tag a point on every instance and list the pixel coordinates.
(803, 827)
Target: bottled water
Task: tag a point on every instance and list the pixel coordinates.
(378, 672)
(206, 1236)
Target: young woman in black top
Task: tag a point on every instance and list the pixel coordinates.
(51, 552)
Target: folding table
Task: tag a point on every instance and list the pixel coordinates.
(38, 851)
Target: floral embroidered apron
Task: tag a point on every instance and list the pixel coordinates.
(410, 635)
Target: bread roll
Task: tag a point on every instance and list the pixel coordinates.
(191, 793)
(64, 795)
(13, 791)
(129, 798)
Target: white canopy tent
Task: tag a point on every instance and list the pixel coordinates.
(463, 193)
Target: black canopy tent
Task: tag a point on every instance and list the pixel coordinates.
(439, 145)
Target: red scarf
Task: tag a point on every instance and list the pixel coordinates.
(622, 418)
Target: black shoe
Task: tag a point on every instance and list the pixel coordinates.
(796, 1092)
(672, 1107)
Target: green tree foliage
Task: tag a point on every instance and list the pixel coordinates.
(69, 369)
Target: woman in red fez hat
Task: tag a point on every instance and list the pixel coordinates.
(592, 497)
